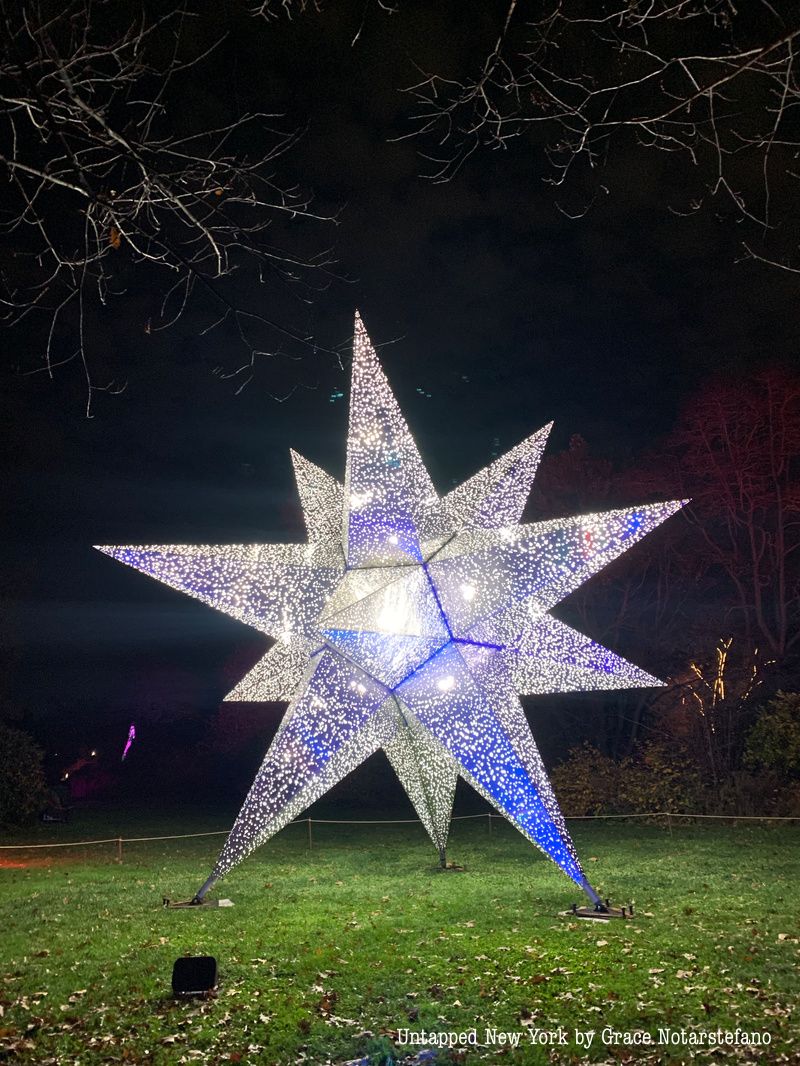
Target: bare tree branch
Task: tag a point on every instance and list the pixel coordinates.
(112, 182)
(588, 82)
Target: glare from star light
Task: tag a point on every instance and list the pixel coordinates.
(410, 623)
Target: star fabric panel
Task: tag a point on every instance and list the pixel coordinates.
(406, 605)
(543, 654)
(387, 488)
(320, 499)
(496, 496)
(277, 675)
(271, 587)
(459, 712)
(427, 772)
(315, 749)
(481, 572)
(386, 657)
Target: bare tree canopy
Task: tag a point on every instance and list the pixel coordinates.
(118, 182)
(735, 449)
(710, 82)
(135, 171)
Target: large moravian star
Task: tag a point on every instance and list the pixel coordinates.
(411, 623)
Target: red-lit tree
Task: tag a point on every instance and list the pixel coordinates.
(736, 452)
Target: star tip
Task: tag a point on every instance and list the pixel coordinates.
(359, 328)
(543, 431)
(651, 681)
(677, 505)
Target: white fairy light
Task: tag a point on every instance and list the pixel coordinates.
(410, 623)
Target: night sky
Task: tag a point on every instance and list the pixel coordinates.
(493, 313)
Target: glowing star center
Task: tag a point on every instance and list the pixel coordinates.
(385, 620)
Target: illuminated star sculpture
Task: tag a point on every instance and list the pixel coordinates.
(411, 623)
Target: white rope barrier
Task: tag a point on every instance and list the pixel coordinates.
(64, 844)
(177, 836)
(119, 841)
(388, 821)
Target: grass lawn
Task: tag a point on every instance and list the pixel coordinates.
(328, 953)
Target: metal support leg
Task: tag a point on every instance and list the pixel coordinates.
(593, 896)
(211, 881)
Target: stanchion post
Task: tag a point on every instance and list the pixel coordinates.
(669, 822)
(309, 834)
(489, 816)
(119, 849)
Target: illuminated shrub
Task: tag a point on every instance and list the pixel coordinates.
(660, 776)
(587, 782)
(774, 741)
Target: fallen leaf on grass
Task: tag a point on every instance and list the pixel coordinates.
(327, 1002)
(339, 1023)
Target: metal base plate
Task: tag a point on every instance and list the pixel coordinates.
(195, 902)
(604, 914)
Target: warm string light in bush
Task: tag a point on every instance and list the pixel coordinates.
(410, 623)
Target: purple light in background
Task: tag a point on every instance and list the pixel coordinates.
(129, 741)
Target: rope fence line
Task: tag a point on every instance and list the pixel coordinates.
(390, 821)
(669, 815)
(61, 844)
